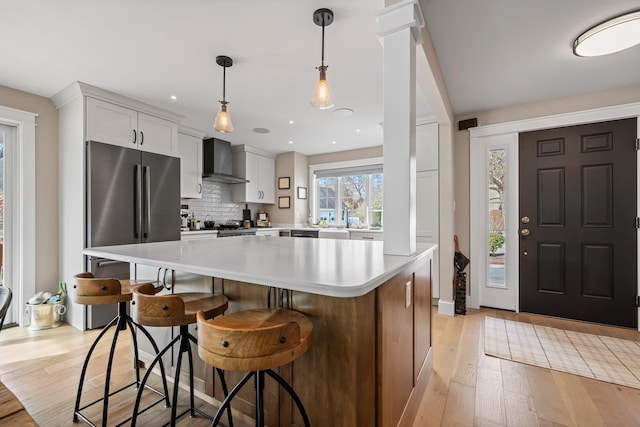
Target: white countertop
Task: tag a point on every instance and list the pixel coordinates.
(337, 268)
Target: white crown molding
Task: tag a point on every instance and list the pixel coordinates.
(558, 120)
(77, 89)
(402, 15)
(191, 131)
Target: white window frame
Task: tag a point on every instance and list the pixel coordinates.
(313, 208)
(20, 241)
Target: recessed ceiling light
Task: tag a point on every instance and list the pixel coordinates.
(358, 130)
(173, 97)
(343, 112)
(291, 122)
(261, 130)
(290, 142)
(333, 142)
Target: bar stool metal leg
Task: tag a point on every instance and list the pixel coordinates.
(121, 321)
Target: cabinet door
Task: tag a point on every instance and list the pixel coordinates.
(190, 151)
(427, 147)
(245, 165)
(111, 124)
(427, 223)
(157, 135)
(267, 179)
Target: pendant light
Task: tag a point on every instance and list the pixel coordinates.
(222, 122)
(612, 35)
(322, 97)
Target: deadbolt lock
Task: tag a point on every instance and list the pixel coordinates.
(525, 220)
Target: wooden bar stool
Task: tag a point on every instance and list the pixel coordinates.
(98, 291)
(256, 341)
(177, 310)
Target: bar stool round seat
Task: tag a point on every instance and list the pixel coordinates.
(180, 310)
(257, 342)
(89, 290)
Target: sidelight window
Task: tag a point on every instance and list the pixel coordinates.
(496, 234)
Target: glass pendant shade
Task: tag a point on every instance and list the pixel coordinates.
(613, 35)
(322, 96)
(222, 122)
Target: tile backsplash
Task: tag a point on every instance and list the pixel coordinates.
(217, 202)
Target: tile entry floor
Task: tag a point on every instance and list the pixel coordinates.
(594, 356)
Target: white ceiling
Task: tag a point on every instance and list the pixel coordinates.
(499, 53)
(493, 53)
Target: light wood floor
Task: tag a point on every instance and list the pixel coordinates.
(466, 388)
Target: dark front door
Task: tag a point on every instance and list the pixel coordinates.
(577, 222)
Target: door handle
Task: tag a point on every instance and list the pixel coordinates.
(147, 199)
(199, 188)
(137, 214)
(141, 137)
(525, 232)
(135, 136)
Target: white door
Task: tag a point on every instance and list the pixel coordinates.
(494, 222)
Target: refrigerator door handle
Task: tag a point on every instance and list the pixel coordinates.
(147, 199)
(137, 204)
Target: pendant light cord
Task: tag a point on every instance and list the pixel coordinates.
(224, 82)
(322, 59)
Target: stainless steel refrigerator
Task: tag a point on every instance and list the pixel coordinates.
(132, 197)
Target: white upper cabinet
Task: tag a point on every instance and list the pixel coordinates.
(427, 147)
(190, 151)
(114, 124)
(259, 168)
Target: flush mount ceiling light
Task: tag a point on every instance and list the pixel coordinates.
(612, 35)
(322, 97)
(222, 122)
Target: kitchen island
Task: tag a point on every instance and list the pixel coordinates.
(371, 356)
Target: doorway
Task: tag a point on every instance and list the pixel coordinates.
(506, 135)
(578, 198)
(7, 138)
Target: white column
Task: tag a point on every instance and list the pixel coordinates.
(399, 32)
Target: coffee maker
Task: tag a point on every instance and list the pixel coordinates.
(184, 217)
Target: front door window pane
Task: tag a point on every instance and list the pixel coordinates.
(496, 216)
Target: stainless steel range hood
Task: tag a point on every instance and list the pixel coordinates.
(217, 162)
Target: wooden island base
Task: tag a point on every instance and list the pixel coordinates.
(370, 360)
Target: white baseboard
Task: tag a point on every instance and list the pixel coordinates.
(446, 308)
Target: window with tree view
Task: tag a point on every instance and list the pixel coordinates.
(355, 199)
(496, 216)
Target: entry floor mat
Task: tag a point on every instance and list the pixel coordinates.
(594, 356)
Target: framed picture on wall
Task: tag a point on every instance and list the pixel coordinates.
(284, 183)
(284, 202)
(302, 192)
